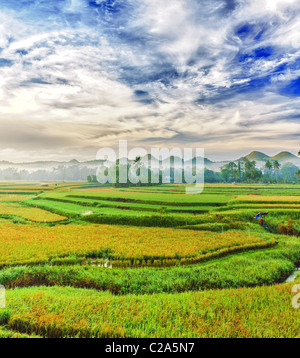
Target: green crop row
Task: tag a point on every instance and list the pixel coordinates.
(247, 269)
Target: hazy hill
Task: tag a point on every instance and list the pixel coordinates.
(75, 170)
(257, 156)
(284, 157)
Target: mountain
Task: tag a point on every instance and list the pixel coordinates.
(74, 161)
(257, 156)
(75, 170)
(284, 157)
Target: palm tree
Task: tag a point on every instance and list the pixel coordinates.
(240, 168)
(276, 166)
(250, 165)
(137, 163)
(235, 173)
(269, 166)
(231, 166)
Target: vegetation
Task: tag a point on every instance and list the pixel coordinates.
(245, 171)
(137, 246)
(32, 214)
(259, 312)
(81, 260)
(247, 269)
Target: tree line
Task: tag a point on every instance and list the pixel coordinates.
(246, 171)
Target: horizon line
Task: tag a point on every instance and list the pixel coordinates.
(92, 160)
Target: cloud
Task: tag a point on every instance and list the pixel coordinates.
(79, 74)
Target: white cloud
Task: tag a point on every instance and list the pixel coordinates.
(80, 80)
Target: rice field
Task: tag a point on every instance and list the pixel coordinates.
(34, 244)
(81, 260)
(32, 214)
(264, 312)
(13, 197)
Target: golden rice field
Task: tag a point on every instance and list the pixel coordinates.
(269, 206)
(267, 199)
(14, 197)
(32, 214)
(33, 243)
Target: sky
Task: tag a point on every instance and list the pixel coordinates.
(79, 75)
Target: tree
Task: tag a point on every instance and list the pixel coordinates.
(137, 163)
(235, 173)
(225, 173)
(250, 165)
(269, 166)
(231, 166)
(276, 166)
(240, 168)
(298, 173)
(288, 172)
(122, 170)
(212, 177)
(228, 171)
(126, 172)
(254, 175)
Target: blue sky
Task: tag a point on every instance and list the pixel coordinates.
(77, 75)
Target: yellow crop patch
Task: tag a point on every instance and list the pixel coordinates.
(33, 243)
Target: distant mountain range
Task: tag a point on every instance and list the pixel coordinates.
(75, 170)
(281, 157)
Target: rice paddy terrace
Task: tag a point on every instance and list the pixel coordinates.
(81, 260)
